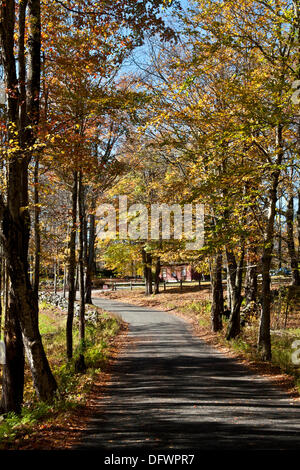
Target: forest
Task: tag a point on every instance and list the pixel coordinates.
(168, 104)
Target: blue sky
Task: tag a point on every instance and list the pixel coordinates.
(141, 54)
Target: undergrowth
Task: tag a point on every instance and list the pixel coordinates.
(246, 342)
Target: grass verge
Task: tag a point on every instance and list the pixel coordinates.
(246, 343)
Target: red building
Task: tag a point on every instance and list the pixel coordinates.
(179, 272)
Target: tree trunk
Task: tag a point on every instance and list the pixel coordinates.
(149, 274)
(145, 268)
(16, 233)
(217, 307)
(6, 289)
(90, 260)
(290, 241)
(1, 289)
(264, 339)
(251, 285)
(235, 280)
(264, 336)
(298, 213)
(157, 273)
(229, 293)
(280, 236)
(13, 371)
(76, 278)
(72, 269)
(65, 281)
(55, 276)
(80, 366)
(37, 235)
(147, 263)
(23, 115)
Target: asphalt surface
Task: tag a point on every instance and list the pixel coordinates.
(170, 390)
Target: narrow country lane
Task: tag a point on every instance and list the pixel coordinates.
(170, 390)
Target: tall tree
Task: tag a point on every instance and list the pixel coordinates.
(23, 119)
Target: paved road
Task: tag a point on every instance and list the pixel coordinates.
(170, 390)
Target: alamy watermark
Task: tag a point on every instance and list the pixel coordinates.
(296, 353)
(2, 353)
(295, 98)
(154, 222)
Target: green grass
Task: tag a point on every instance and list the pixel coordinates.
(12, 425)
(282, 352)
(49, 325)
(202, 311)
(294, 331)
(72, 387)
